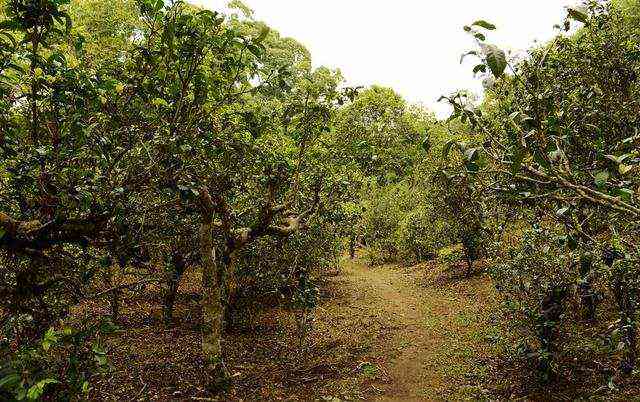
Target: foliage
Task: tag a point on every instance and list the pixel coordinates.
(60, 365)
(451, 255)
(142, 138)
(381, 135)
(557, 132)
(276, 266)
(399, 224)
(534, 280)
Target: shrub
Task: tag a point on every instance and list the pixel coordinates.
(59, 366)
(535, 278)
(279, 269)
(401, 225)
(451, 255)
(419, 236)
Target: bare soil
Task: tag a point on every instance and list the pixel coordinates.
(383, 333)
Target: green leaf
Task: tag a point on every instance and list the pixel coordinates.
(2, 233)
(578, 14)
(10, 381)
(159, 102)
(426, 146)
(484, 24)
(480, 68)
(471, 154)
(601, 179)
(16, 67)
(98, 350)
(102, 360)
(480, 36)
(9, 25)
(541, 161)
(447, 148)
(634, 55)
(369, 369)
(100, 355)
(255, 50)
(50, 338)
(263, 34)
(624, 169)
(37, 390)
(496, 59)
(516, 162)
(625, 194)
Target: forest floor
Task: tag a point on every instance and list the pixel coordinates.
(433, 336)
(380, 333)
(426, 339)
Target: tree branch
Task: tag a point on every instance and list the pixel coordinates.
(24, 235)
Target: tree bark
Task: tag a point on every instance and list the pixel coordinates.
(585, 288)
(231, 287)
(469, 266)
(624, 296)
(212, 309)
(352, 246)
(551, 310)
(173, 282)
(114, 303)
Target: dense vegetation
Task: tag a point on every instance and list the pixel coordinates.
(143, 139)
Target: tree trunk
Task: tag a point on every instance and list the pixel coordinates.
(352, 246)
(585, 288)
(625, 292)
(624, 296)
(551, 310)
(112, 279)
(212, 309)
(114, 303)
(469, 266)
(173, 282)
(230, 297)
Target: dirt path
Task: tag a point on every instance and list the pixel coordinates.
(423, 341)
(384, 333)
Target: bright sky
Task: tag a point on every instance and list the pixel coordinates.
(413, 46)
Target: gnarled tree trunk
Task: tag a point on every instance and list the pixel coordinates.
(218, 274)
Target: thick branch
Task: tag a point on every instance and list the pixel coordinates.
(292, 224)
(34, 235)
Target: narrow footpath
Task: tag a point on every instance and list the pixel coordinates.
(424, 339)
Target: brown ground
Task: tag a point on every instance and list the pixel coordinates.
(382, 333)
(435, 337)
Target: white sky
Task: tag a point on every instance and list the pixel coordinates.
(413, 46)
